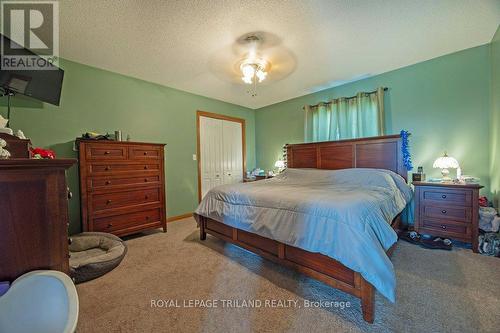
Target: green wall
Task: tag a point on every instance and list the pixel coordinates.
(495, 118)
(102, 101)
(443, 102)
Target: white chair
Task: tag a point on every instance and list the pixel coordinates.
(40, 302)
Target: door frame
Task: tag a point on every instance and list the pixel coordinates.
(206, 114)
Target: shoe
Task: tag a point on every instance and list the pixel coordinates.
(411, 237)
(437, 244)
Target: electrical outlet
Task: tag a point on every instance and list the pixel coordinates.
(194, 157)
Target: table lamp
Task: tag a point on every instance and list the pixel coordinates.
(444, 163)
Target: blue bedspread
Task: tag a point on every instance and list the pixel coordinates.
(343, 214)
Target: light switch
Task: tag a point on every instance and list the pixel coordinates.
(194, 157)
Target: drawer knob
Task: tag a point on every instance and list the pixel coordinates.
(146, 197)
(146, 180)
(108, 182)
(443, 196)
(147, 217)
(145, 153)
(107, 168)
(443, 227)
(145, 167)
(108, 202)
(443, 211)
(106, 152)
(110, 225)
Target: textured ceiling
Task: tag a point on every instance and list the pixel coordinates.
(312, 44)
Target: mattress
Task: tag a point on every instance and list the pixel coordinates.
(343, 214)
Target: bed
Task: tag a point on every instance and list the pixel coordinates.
(331, 215)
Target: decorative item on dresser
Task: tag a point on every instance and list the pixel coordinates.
(122, 186)
(34, 216)
(448, 210)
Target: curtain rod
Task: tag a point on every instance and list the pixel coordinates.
(351, 97)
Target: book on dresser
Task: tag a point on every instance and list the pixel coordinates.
(122, 186)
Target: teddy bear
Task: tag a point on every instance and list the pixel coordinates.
(4, 153)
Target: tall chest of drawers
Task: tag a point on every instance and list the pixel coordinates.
(448, 210)
(122, 186)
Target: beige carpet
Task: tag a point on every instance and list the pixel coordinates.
(437, 291)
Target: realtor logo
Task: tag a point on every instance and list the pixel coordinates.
(32, 25)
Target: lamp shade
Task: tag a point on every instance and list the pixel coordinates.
(279, 164)
(446, 162)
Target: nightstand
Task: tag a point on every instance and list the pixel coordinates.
(448, 210)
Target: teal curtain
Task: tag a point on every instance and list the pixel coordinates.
(346, 118)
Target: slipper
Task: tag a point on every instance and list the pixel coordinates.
(411, 237)
(437, 244)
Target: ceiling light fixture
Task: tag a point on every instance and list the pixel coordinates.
(254, 71)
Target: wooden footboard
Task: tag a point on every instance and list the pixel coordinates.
(315, 265)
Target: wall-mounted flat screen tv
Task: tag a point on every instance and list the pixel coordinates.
(42, 84)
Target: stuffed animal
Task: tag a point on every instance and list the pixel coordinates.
(40, 153)
(20, 134)
(4, 153)
(3, 122)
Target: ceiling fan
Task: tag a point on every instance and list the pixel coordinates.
(252, 59)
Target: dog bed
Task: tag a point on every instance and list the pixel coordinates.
(93, 254)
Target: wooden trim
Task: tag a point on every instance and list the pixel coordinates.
(198, 152)
(163, 190)
(315, 265)
(179, 217)
(219, 116)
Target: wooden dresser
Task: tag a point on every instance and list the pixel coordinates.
(33, 216)
(448, 210)
(122, 186)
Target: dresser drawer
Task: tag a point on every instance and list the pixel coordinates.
(112, 168)
(125, 221)
(106, 152)
(456, 213)
(447, 196)
(453, 229)
(121, 199)
(139, 152)
(114, 182)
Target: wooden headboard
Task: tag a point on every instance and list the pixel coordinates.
(380, 152)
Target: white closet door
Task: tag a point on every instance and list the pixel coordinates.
(233, 152)
(221, 150)
(211, 153)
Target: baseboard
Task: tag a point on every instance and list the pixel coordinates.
(179, 217)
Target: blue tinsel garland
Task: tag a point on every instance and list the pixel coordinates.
(405, 149)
